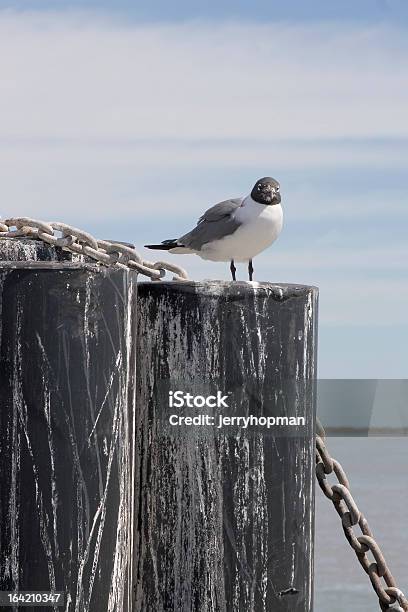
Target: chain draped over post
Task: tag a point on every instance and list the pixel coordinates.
(389, 595)
(77, 241)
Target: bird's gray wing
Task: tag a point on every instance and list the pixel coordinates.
(216, 223)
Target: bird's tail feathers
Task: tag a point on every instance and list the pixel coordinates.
(166, 245)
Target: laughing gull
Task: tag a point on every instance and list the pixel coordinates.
(234, 230)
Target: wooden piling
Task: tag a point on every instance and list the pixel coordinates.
(224, 516)
(67, 366)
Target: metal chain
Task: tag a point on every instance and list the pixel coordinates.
(79, 242)
(351, 516)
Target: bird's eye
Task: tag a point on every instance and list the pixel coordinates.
(259, 187)
(277, 187)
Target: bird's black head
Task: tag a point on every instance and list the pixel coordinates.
(266, 191)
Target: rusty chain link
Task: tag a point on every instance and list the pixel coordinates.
(77, 241)
(388, 594)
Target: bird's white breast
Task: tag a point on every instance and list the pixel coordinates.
(260, 226)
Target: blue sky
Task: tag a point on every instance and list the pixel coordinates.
(258, 10)
(130, 122)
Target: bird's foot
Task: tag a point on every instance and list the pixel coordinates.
(250, 269)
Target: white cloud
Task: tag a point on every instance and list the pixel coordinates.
(364, 302)
(78, 77)
(147, 180)
(90, 107)
(377, 258)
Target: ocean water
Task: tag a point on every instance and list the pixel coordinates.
(377, 469)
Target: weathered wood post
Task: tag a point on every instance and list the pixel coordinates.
(224, 516)
(67, 367)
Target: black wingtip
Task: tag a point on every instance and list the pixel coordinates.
(166, 245)
(161, 247)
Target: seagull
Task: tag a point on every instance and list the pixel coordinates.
(234, 230)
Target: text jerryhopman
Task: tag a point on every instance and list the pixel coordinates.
(180, 399)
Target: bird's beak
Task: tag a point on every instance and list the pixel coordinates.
(275, 197)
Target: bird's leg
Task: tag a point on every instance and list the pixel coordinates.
(250, 269)
(233, 270)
